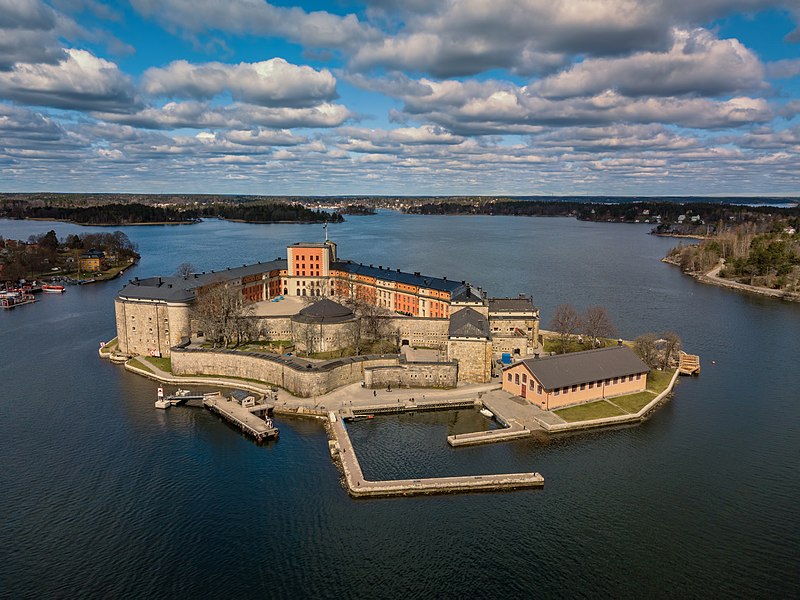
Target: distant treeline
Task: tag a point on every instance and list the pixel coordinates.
(668, 214)
(268, 213)
(136, 213)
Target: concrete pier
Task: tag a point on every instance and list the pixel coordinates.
(240, 417)
(358, 486)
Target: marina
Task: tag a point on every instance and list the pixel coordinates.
(341, 449)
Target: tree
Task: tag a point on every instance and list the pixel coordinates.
(671, 348)
(597, 324)
(222, 314)
(645, 348)
(566, 322)
(184, 270)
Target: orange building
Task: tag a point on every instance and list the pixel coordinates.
(566, 379)
(91, 261)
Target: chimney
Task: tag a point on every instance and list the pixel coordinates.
(398, 270)
(416, 273)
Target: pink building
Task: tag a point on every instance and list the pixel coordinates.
(567, 379)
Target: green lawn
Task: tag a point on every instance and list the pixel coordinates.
(586, 412)
(164, 364)
(110, 346)
(135, 362)
(633, 403)
(657, 381)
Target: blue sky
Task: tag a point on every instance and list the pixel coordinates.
(629, 97)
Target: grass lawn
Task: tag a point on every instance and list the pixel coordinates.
(135, 362)
(657, 381)
(633, 403)
(110, 346)
(162, 363)
(592, 410)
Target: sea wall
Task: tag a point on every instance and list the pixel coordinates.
(301, 378)
(412, 375)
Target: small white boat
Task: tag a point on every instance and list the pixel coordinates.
(487, 413)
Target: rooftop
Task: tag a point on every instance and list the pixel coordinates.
(177, 288)
(397, 276)
(582, 367)
(324, 311)
(468, 323)
(519, 304)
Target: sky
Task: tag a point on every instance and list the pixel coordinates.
(401, 97)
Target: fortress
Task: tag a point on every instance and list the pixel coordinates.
(156, 315)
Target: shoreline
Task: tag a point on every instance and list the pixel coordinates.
(40, 219)
(711, 278)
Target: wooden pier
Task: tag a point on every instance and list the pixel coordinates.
(241, 417)
(342, 449)
(689, 364)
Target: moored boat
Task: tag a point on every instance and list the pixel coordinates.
(49, 288)
(487, 413)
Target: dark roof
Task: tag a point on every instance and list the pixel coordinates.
(466, 293)
(423, 281)
(518, 304)
(93, 254)
(182, 289)
(582, 367)
(324, 311)
(469, 323)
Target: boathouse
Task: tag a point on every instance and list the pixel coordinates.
(567, 379)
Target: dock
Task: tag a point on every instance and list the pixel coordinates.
(241, 417)
(350, 414)
(689, 364)
(357, 486)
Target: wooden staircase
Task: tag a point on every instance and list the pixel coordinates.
(689, 364)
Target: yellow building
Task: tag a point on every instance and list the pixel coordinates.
(91, 261)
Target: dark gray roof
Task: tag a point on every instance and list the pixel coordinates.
(423, 281)
(582, 367)
(518, 304)
(324, 311)
(466, 293)
(469, 323)
(182, 289)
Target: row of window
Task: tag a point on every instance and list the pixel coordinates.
(576, 387)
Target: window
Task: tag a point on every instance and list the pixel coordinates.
(630, 377)
(575, 388)
(638, 376)
(565, 389)
(516, 378)
(591, 384)
(524, 378)
(583, 386)
(556, 392)
(539, 389)
(509, 376)
(615, 381)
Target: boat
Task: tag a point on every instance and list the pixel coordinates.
(49, 288)
(487, 413)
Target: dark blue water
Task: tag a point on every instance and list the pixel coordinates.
(103, 496)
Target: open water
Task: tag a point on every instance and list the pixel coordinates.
(102, 496)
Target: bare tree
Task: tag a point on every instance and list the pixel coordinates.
(566, 322)
(597, 324)
(645, 347)
(671, 348)
(355, 336)
(223, 315)
(184, 269)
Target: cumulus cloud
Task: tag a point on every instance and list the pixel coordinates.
(463, 37)
(81, 81)
(273, 82)
(202, 115)
(697, 63)
(313, 29)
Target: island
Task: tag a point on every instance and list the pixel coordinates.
(333, 339)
